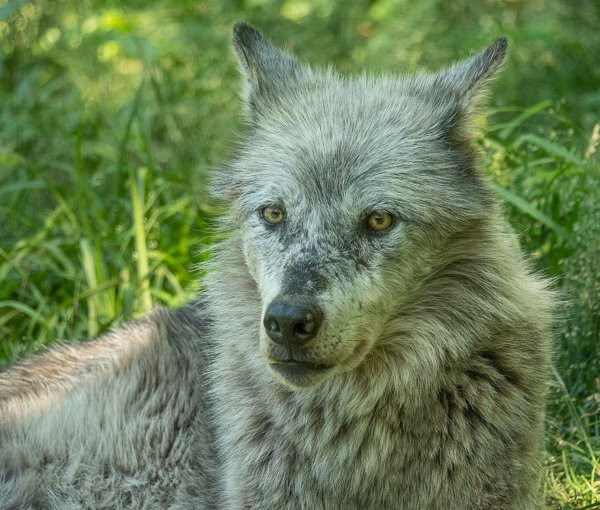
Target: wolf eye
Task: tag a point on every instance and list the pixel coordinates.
(379, 221)
(272, 214)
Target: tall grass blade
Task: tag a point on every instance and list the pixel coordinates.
(87, 260)
(520, 119)
(550, 147)
(529, 209)
(22, 307)
(137, 201)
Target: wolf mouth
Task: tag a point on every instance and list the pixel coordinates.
(293, 364)
(298, 373)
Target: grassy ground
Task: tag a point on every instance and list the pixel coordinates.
(113, 113)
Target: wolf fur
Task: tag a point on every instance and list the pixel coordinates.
(424, 385)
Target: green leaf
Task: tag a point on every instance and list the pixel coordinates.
(529, 209)
(550, 147)
(21, 186)
(22, 307)
(529, 112)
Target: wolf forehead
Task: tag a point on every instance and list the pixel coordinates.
(351, 126)
(362, 140)
(327, 135)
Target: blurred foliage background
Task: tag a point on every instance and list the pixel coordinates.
(113, 113)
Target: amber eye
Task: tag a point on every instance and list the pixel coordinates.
(379, 221)
(272, 214)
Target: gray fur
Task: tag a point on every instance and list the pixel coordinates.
(435, 332)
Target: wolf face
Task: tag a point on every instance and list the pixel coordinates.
(345, 191)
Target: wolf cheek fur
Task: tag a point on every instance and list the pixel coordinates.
(345, 365)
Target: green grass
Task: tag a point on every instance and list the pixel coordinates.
(114, 113)
(550, 178)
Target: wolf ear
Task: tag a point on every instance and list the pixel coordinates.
(465, 80)
(267, 70)
(458, 90)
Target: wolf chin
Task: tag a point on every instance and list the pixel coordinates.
(370, 336)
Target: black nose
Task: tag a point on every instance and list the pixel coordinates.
(292, 320)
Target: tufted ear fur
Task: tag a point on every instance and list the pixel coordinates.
(458, 89)
(465, 80)
(268, 71)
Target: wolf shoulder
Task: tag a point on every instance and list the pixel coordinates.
(165, 343)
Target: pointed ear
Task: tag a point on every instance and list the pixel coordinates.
(467, 79)
(457, 92)
(267, 70)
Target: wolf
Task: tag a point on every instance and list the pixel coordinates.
(370, 336)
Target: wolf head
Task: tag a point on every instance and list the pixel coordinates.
(345, 192)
